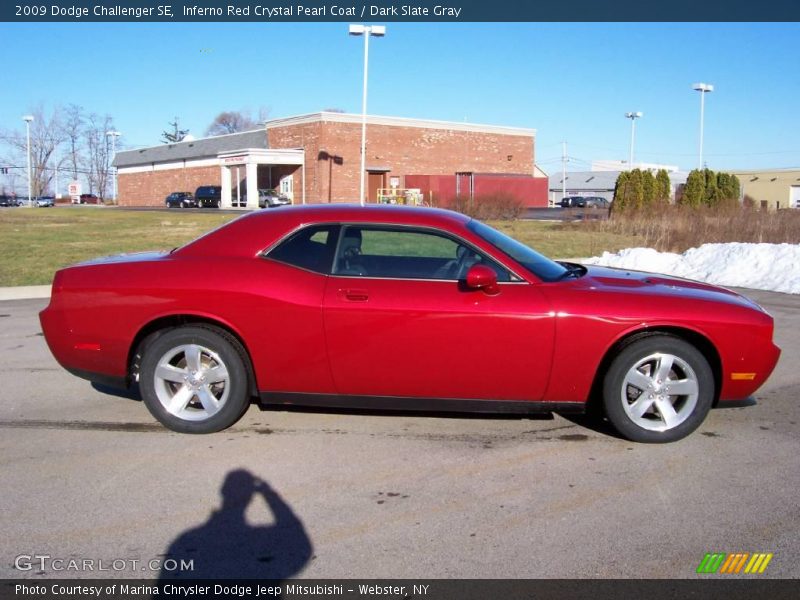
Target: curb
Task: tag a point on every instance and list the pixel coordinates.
(25, 292)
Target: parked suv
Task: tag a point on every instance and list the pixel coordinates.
(180, 200)
(596, 202)
(208, 196)
(572, 201)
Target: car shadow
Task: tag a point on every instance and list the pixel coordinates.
(132, 393)
(593, 422)
(226, 546)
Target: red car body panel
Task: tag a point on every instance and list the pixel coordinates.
(311, 333)
(429, 339)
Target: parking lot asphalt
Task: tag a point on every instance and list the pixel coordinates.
(90, 476)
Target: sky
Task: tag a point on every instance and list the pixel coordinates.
(571, 82)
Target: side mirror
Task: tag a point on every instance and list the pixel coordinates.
(481, 277)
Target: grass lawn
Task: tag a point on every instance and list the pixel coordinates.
(37, 242)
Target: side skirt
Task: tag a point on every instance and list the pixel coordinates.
(420, 404)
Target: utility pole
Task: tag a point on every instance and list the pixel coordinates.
(563, 170)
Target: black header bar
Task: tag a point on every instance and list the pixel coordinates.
(454, 11)
(711, 588)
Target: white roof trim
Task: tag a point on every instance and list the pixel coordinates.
(397, 122)
(266, 156)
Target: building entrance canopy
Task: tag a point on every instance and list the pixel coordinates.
(237, 163)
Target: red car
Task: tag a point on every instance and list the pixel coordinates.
(402, 308)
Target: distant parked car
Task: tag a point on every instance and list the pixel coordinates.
(89, 199)
(181, 200)
(208, 196)
(8, 201)
(572, 201)
(271, 199)
(596, 202)
(44, 201)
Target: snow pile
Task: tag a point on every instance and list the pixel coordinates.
(774, 267)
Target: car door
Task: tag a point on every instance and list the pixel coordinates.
(400, 322)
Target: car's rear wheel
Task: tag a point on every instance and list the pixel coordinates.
(193, 380)
(658, 389)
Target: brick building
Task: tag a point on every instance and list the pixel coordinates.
(316, 158)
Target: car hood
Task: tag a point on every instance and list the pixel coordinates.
(621, 280)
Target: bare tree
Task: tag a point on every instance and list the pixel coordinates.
(234, 121)
(230, 122)
(46, 135)
(176, 135)
(74, 122)
(98, 150)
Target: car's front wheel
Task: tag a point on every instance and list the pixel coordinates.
(193, 379)
(658, 389)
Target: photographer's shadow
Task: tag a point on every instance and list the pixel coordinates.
(227, 547)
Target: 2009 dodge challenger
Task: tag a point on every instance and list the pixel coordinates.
(402, 308)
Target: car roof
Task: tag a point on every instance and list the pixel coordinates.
(253, 232)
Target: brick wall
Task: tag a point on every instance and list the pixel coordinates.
(333, 152)
(152, 187)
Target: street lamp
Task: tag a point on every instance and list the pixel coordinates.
(633, 116)
(703, 88)
(366, 31)
(28, 119)
(114, 135)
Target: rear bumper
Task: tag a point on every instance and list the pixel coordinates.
(93, 357)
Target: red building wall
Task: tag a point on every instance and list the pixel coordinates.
(441, 189)
(333, 150)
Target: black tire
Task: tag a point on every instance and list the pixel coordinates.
(200, 413)
(642, 363)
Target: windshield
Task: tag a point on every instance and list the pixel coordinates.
(541, 266)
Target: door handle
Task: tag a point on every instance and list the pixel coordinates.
(352, 295)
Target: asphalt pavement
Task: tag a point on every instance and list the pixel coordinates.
(89, 476)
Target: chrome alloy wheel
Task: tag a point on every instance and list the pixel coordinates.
(192, 382)
(659, 392)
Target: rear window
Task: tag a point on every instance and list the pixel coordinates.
(208, 191)
(311, 248)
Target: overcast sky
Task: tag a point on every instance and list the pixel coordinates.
(571, 82)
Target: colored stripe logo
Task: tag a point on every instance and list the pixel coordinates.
(735, 563)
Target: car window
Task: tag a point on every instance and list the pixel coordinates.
(406, 243)
(311, 248)
(405, 253)
(541, 266)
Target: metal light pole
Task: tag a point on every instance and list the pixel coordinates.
(28, 119)
(703, 88)
(563, 170)
(633, 116)
(366, 31)
(114, 135)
